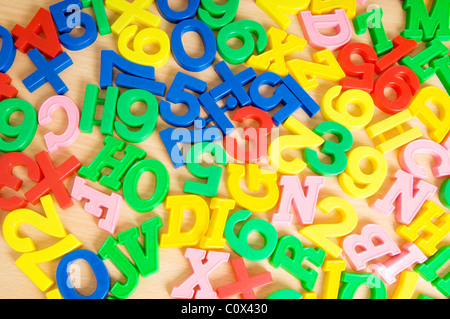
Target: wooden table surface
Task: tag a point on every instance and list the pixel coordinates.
(174, 267)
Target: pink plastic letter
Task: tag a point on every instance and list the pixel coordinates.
(200, 276)
(369, 251)
(312, 24)
(410, 255)
(293, 194)
(408, 204)
(97, 202)
(55, 142)
(440, 154)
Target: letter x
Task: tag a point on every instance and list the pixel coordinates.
(200, 276)
(47, 72)
(244, 284)
(132, 12)
(280, 45)
(53, 180)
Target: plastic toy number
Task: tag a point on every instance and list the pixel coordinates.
(335, 150)
(213, 174)
(24, 132)
(142, 39)
(403, 81)
(216, 15)
(177, 16)
(179, 52)
(239, 242)
(177, 94)
(29, 262)
(319, 233)
(364, 73)
(243, 30)
(256, 136)
(339, 113)
(129, 122)
(50, 224)
(355, 181)
(303, 138)
(55, 142)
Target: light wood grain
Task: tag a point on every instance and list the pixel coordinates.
(174, 268)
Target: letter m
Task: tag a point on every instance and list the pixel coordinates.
(422, 26)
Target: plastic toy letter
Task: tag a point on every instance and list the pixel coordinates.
(428, 229)
(97, 203)
(410, 255)
(304, 203)
(203, 263)
(177, 205)
(280, 45)
(351, 283)
(312, 24)
(429, 270)
(438, 126)
(55, 142)
(409, 196)
(256, 180)
(359, 259)
(136, 11)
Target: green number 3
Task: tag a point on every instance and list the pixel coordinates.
(335, 150)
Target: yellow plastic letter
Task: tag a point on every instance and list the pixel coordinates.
(175, 238)
(214, 237)
(255, 178)
(390, 123)
(424, 224)
(333, 270)
(280, 45)
(438, 127)
(406, 285)
(135, 11)
(325, 66)
(278, 9)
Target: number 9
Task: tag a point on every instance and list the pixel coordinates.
(24, 132)
(145, 122)
(357, 183)
(243, 30)
(217, 16)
